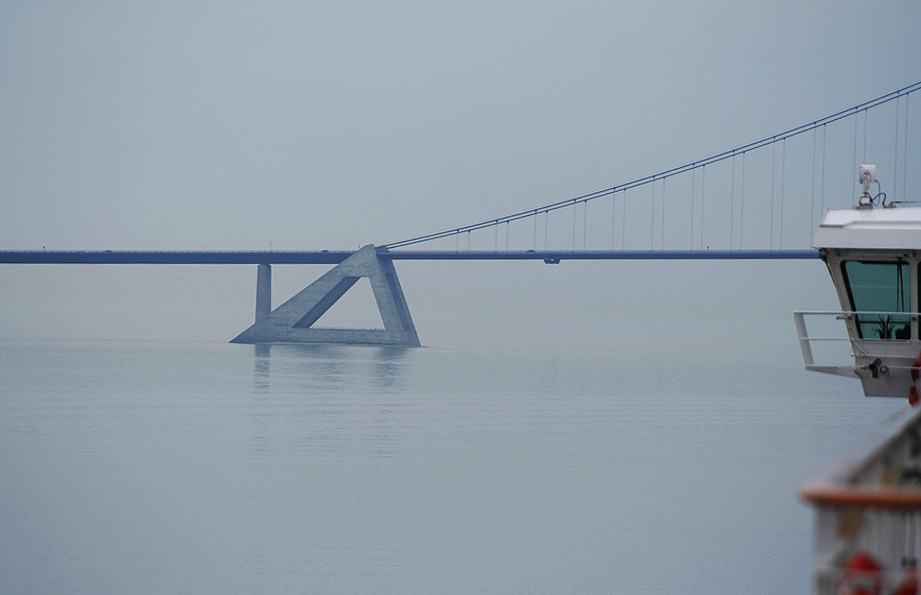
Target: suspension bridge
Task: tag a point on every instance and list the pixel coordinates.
(761, 200)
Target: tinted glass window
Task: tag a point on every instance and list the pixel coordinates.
(879, 287)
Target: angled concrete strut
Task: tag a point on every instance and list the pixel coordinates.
(292, 322)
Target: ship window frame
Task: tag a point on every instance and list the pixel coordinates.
(886, 327)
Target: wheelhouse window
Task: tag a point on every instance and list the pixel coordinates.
(878, 291)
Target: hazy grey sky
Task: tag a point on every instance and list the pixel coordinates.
(308, 125)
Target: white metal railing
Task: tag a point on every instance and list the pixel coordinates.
(863, 347)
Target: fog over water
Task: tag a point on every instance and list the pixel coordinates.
(595, 427)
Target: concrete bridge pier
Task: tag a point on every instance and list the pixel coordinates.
(292, 322)
(263, 291)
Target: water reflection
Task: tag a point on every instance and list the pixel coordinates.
(261, 368)
(389, 364)
(317, 402)
(329, 367)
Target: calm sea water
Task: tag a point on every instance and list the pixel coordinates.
(214, 468)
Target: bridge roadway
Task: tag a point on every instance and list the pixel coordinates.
(337, 256)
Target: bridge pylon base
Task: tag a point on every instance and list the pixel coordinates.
(292, 322)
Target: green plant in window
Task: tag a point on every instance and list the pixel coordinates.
(890, 327)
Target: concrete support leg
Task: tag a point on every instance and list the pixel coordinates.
(292, 322)
(263, 291)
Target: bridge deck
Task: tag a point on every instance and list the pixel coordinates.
(336, 257)
(553, 256)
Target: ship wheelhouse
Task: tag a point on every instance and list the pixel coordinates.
(874, 258)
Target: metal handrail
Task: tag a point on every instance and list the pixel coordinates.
(806, 341)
